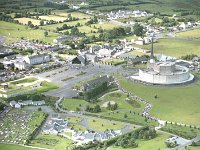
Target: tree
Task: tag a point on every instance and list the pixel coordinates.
(45, 33)
(1, 66)
(125, 116)
(138, 30)
(41, 22)
(29, 23)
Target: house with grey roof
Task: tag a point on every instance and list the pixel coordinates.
(55, 126)
(80, 60)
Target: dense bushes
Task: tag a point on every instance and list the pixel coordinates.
(96, 109)
(96, 91)
(189, 57)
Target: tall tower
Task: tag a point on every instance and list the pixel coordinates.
(152, 56)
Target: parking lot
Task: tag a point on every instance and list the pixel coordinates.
(69, 75)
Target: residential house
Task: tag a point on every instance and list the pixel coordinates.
(80, 60)
(55, 126)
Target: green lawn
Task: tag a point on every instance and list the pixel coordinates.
(102, 125)
(47, 86)
(120, 99)
(175, 47)
(25, 80)
(178, 104)
(51, 141)
(72, 104)
(131, 118)
(15, 147)
(153, 144)
(11, 30)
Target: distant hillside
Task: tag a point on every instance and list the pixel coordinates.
(163, 6)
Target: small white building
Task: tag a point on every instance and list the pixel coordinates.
(37, 59)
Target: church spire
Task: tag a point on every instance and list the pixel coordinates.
(152, 57)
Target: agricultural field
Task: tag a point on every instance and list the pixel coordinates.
(175, 47)
(105, 25)
(192, 34)
(86, 29)
(178, 103)
(71, 23)
(12, 30)
(156, 143)
(53, 17)
(26, 20)
(51, 142)
(73, 14)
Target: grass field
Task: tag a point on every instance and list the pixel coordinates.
(102, 125)
(15, 147)
(175, 47)
(25, 21)
(51, 142)
(86, 29)
(11, 30)
(72, 104)
(153, 144)
(193, 34)
(178, 104)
